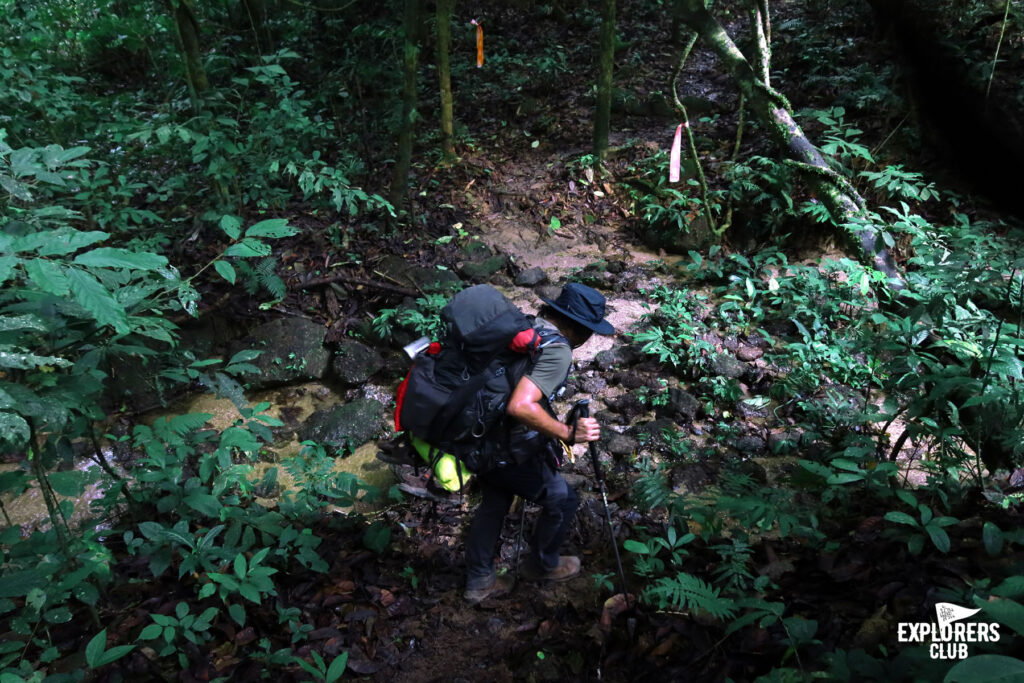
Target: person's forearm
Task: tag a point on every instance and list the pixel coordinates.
(535, 417)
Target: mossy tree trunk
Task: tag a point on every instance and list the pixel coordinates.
(444, 75)
(606, 64)
(774, 113)
(411, 24)
(187, 29)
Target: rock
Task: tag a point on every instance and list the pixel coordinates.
(750, 445)
(426, 279)
(620, 445)
(652, 433)
(293, 351)
(692, 478)
(594, 385)
(476, 250)
(724, 365)
(480, 271)
(748, 410)
(749, 353)
(344, 426)
(780, 443)
(683, 403)
(531, 277)
(752, 470)
(355, 362)
(548, 291)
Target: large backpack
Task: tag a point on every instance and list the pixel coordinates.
(456, 395)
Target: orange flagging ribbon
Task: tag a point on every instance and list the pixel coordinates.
(479, 44)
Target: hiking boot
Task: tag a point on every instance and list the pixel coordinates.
(400, 454)
(501, 585)
(568, 567)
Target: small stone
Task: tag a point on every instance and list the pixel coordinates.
(531, 277)
(724, 365)
(749, 353)
(621, 445)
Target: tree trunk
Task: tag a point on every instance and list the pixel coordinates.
(844, 203)
(606, 63)
(400, 180)
(256, 10)
(188, 37)
(444, 75)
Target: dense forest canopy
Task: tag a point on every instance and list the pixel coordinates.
(813, 423)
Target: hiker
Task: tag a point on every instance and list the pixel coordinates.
(535, 452)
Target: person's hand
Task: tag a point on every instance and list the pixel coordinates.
(586, 429)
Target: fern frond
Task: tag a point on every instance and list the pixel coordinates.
(652, 490)
(686, 591)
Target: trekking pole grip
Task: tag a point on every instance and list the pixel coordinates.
(582, 409)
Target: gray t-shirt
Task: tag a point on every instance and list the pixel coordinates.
(552, 367)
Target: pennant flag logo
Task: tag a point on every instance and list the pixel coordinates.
(947, 613)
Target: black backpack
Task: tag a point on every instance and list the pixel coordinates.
(456, 395)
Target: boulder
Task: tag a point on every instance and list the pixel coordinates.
(425, 279)
(481, 271)
(345, 426)
(354, 363)
(293, 351)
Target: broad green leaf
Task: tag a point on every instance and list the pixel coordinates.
(22, 322)
(635, 546)
(248, 248)
(18, 584)
(939, 537)
(237, 613)
(1007, 612)
(95, 298)
(226, 270)
(337, 668)
(65, 241)
(95, 649)
(204, 503)
(115, 653)
(845, 478)
(847, 465)
(72, 153)
(15, 189)
(13, 428)
(111, 257)
(273, 228)
(900, 518)
(11, 357)
(986, 669)
(47, 276)
(1012, 587)
(244, 355)
(231, 225)
(151, 632)
(70, 483)
(239, 565)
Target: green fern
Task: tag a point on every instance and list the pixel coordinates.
(652, 490)
(268, 278)
(686, 591)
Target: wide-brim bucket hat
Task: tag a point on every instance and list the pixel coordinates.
(584, 305)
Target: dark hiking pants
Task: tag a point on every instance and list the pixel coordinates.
(535, 481)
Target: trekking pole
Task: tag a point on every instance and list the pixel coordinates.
(582, 409)
(519, 541)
